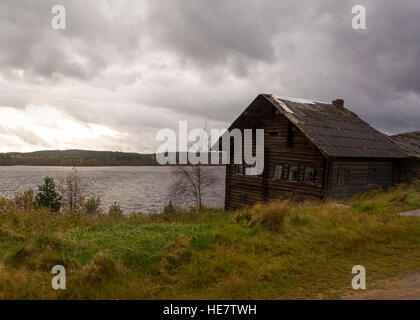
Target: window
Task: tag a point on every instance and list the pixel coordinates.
(278, 171)
(309, 174)
(243, 198)
(343, 176)
(371, 176)
(293, 173)
(239, 168)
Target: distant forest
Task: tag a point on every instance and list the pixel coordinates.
(77, 158)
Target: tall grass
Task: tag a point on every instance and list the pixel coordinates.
(276, 250)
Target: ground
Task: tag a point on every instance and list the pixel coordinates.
(412, 213)
(403, 287)
(277, 250)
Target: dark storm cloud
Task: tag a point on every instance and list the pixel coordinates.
(304, 48)
(88, 45)
(131, 64)
(216, 32)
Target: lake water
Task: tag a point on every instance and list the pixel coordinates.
(136, 189)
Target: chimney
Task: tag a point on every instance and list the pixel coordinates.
(338, 103)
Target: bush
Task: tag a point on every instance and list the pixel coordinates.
(267, 216)
(73, 192)
(170, 213)
(48, 197)
(25, 201)
(6, 204)
(115, 210)
(102, 269)
(170, 208)
(178, 252)
(92, 205)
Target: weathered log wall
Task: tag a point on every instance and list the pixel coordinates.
(284, 145)
(409, 169)
(358, 176)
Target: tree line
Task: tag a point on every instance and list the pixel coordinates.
(77, 158)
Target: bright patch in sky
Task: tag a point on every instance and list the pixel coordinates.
(44, 127)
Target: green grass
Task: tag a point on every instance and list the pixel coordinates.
(278, 250)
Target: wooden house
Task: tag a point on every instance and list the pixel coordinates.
(409, 142)
(312, 150)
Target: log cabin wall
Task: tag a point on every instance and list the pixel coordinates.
(409, 169)
(363, 175)
(290, 147)
(284, 145)
(341, 153)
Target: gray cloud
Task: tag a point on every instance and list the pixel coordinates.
(137, 66)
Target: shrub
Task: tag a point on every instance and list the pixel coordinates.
(48, 197)
(243, 216)
(25, 201)
(115, 210)
(170, 208)
(179, 251)
(267, 216)
(92, 205)
(5, 204)
(102, 269)
(170, 213)
(73, 192)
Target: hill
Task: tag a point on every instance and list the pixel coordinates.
(77, 158)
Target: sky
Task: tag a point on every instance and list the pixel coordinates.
(122, 70)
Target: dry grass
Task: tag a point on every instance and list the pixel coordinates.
(277, 250)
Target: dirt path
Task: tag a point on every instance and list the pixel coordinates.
(405, 287)
(414, 213)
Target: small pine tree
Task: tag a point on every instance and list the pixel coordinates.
(47, 195)
(115, 210)
(92, 205)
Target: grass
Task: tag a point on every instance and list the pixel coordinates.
(277, 250)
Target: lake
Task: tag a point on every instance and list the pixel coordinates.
(136, 189)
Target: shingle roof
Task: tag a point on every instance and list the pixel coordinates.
(335, 131)
(409, 142)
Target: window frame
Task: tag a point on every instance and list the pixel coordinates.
(346, 176)
(281, 171)
(312, 181)
(297, 173)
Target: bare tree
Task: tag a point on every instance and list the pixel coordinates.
(191, 181)
(72, 191)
